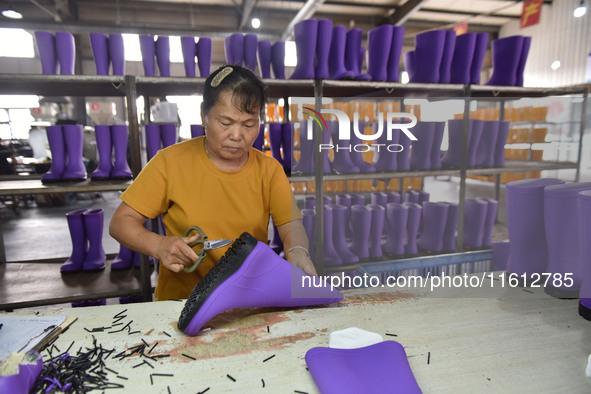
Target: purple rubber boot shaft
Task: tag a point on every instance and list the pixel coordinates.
(396, 217)
(451, 226)
(47, 52)
(378, 39)
(453, 156)
(66, 52)
(446, 59)
(584, 204)
(410, 64)
(340, 218)
(104, 148)
(152, 139)
(502, 135)
(461, 64)
(264, 58)
(204, 56)
(189, 49)
(75, 170)
(234, 49)
(479, 52)
(395, 51)
(342, 163)
(506, 54)
(378, 216)
(274, 130)
(489, 223)
(331, 256)
(278, 59)
(357, 155)
(439, 130)
(57, 145)
(168, 134)
(163, 55)
(196, 131)
(123, 260)
(522, 61)
(434, 215)
(305, 35)
(93, 226)
(412, 227)
(260, 140)
(474, 134)
(474, 220)
(119, 134)
(485, 155)
(148, 50)
(420, 158)
(250, 51)
(117, 53)
(100, 51)
(336, 59)
(352, 52)
(79, 243)
(323, 40)
(361, 216)
(428, 55)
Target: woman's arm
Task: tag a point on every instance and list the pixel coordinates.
(293, 234)
(127, 227)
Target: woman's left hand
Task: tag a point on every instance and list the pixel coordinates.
(300, 258)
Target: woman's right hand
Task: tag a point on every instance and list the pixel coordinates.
(175, 253)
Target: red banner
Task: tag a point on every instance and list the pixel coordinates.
(530, 14)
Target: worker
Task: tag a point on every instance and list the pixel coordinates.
(218, 182)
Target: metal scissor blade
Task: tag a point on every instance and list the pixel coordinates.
(216, 244)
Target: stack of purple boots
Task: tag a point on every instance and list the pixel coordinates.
(109, 138)
(65, 143)
(155, 51)
(159, 136)
(86, 233)
(509, 57)
(108, 51)
(56, 49)
(246, 51)
(200, 50)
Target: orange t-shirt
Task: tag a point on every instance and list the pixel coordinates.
(182, 184)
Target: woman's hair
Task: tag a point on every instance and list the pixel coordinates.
(248, 92)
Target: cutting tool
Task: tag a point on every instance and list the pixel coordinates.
(207, 245)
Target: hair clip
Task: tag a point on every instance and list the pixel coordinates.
(215, 82)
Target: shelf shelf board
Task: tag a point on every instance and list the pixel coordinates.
(389, 89)
(485, 91)
(523, 166)
(34, 186)
(62, 85)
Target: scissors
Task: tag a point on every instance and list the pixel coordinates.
(207, 245)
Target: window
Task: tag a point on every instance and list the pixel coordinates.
(16, 43)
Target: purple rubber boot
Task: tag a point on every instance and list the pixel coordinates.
(274, 130)
(352, 54)
(250, 274)
(585, 250)
(448, 54)
(234, 49)
(378, 216)
(47, 53)
(402, 157)
(119, 134)
(123, 260)
(66, 52)
(342, 163)
(434, 223)
(361, 216)
(451, 226)
(475, 132)
(168, 134)
(117, 53)
(479, 52)
(264, 58)
(275, 243)
(287, 145)
(345, 201)
(323, 41)
(100, 51)
(563, 239)
(420, 159)
(104, 148)
(75, 170)
(356, 154)
(379, 43)
(506, 54)
(196, 131)
(485, 154)
(410, 62)
(439, 130)
(204, 56)
(453, 156)
(412, 227)
(137, 262)
(189, 49)
(386, 160)
(305, 35)
(260, 140)
(55, 137)
(502, 136)
(93, 226)
(410, 196)
(428, 55)
(148, 50)
(395, 51)
(340, 216)
(331, 256)
(79, 242)
(278, 59)
(379, 198)
(461, 63)
(396, 219)
(305, 165)
(474, 220)
(163, 55)
(489, 223)
(336, 59)
(500, 255)
(522, 60)
(250, 51)
(309, 221)
(152, 139)
(525, 225)
(379, 368)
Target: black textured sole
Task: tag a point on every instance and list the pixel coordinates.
(224, 268)
(584, 312)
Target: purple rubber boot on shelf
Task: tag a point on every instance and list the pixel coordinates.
(264, 58)
(500, 255)
(506, 54)
(331, 256)
(434, 216)
(123, 260)
(428, 55)
(379, 43)
(47, 53)
(379, 198)
(66, 52)
(485, 154)
(250, 51)
(356, 155)
(402, 157)
(204, 56)
(522, 61)
(475, 132)
(340, 216)
(287, 145)
(74, 139)
(412, 227)
(104, 147)
(525, 225)
(395, 51)
(189, 49)
(379, 368)
(342, 163)
(250, 274)
(378, 216)
(152, 139)
(386, 160)
(148, 50)
(100, 51)
(361, 217)
(585, 250)
(55, 137)
(309, 221)
(474, 219)
(423, 196)
(448, 54)
(168, 134)
(119, 134)
(117, 53)
(453, 156)
(196, 131)
(305, 35)
(420, 158)
(336, 59)
(259, 142)
(352, 54)
(461, 63)
(278, 59)
(451, 226)
(274, 130)
(93, 226)
(345, 201)
(479, 52)
(439, 130)
(502, 135)
(396, 219)
(410, 64)
(163, 55)
(323, 41)
(234, 49)
(410, 196)
(489, 223)
(561, 210)
(305, 164)
(79, 242)
(393, 197)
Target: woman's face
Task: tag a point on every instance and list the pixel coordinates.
(230, 132)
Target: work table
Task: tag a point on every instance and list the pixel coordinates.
(506, 340)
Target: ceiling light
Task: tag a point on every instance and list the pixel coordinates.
(12, 14)
(580, 10)
(256, 23)
(555, 65)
